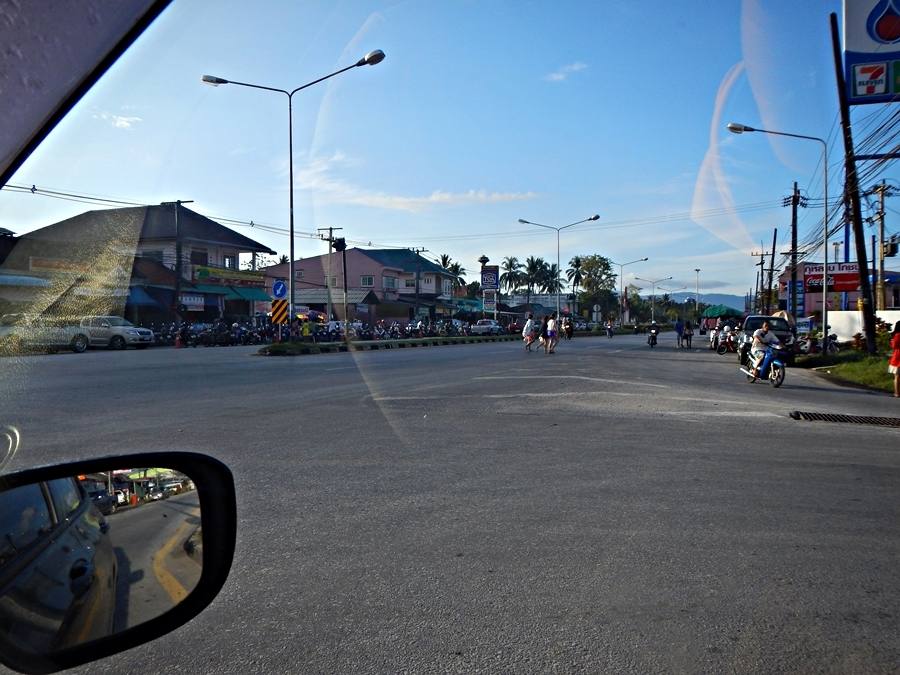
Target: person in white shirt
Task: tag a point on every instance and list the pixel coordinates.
(528, 332)
(762, 338)
(552, 333)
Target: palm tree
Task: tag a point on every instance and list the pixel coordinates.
(512, 273)
(445, 260)
(574, 276)
(532, 276)
(283, 260)
(551, 283)
(457, 271)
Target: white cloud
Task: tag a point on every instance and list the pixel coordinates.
(562, 73)
(118, 121)
(318, 177)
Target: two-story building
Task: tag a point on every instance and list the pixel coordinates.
(382, 284)
(842, 292)
(125, 261)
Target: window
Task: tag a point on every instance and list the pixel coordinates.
(429, 280)
(409, 283)
(229, 261)
(199, 257)
(367, 281)
(24, 517)
(66, 496)
(389, 282)
(298, 274)
(333, 282)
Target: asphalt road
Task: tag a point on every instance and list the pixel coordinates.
(154, 573)
(474, 507)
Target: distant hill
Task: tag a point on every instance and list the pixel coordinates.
(733, 301)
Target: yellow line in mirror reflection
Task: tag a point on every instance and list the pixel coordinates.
(166, 579)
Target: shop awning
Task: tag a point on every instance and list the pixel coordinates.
(251, 294)
(138, 297)
(209, 288)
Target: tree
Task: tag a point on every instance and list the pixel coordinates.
(512, 273)
(283, 260)
(551, 282)
(573, 274)
(458, 271)
(533, 276)
(445, 261)
(597, 274)
(473, 290)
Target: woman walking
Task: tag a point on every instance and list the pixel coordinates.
(552, 334)
(894, 363)
(542, 333)
(688, 334)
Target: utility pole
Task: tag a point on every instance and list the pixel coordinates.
(417, 251)
(883, 191)
(176, 300)
(852, 186)
(794, 200)
(771, 272)
(760, 280)
(328, 272)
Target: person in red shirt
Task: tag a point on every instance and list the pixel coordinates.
(894, 363)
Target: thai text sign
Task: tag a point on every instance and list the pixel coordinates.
(872, 50)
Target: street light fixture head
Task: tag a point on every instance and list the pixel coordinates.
(371, 58)
(736, 128)
(594, 217)
(213, 80)
(524, 222)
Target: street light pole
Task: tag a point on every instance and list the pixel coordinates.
(653, 294)
(558, 230)
(621, 283)
(369, 59)
(736, 128)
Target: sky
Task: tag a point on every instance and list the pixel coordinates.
(481, 114)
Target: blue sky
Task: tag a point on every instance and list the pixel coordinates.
(482, 113)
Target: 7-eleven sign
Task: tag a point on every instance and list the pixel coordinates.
(870, 79)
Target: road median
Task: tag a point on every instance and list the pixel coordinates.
(305, 348)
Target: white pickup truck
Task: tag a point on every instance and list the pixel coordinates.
(486, 327)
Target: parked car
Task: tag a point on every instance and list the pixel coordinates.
(115, 332)
(106, 503)
(57, 565)
(22, 332)
(486, 327)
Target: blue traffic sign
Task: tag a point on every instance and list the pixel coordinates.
(279, 289)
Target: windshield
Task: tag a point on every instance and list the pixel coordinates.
(316, 266)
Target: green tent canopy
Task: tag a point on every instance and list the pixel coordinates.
(720, 311)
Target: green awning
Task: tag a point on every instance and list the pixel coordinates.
(251, 294)
(209, 288)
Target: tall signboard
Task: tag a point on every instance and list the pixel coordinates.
(872, 50)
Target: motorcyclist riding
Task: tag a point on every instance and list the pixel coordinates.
(759, 352)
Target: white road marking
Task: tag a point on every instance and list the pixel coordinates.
(570, 377)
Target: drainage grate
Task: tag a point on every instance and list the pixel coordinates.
(846, 419)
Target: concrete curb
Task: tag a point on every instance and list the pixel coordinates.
(303, 349)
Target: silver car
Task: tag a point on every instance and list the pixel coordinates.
(115, 332)
(23, 332)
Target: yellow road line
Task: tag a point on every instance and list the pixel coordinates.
(166, 579)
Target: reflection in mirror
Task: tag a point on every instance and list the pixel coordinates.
(88, 556)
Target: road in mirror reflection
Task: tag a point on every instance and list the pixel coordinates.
(89, 556)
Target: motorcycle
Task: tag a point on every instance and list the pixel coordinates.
(774, 369)
(651, 339)
(727, 344)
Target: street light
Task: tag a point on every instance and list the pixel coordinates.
(697, 296)
(653, 294)
(369, 59)
(736, 128)
(558, 230)
(621, 281)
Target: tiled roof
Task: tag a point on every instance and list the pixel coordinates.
(404, 259)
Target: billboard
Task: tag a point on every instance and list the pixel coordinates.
(490, 277)
(872, 50)
(842, 277)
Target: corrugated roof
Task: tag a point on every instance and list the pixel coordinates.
(141, 223)
(317, 296)
(402, 258)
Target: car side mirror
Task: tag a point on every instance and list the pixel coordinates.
(81, 579)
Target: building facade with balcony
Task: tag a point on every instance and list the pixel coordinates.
(382, 284)
(124, 262)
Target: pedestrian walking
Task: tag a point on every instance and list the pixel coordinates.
(688, 334)
(542, 334)
(528, 332)
(679, 332)
(552, 334)
(894, 363)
